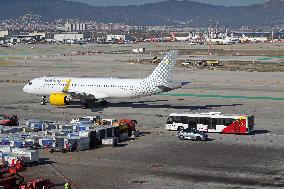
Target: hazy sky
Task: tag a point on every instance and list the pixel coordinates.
(132, 2)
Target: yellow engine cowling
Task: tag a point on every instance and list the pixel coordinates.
(58, 99)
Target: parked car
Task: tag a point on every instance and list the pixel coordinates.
(9, 120)
(192, 134)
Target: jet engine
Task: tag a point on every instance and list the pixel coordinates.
(58, 99)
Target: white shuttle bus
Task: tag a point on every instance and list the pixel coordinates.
(214, 122)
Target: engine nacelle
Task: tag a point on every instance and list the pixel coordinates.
(58, 99)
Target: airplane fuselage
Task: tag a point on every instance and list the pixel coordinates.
(104, 88)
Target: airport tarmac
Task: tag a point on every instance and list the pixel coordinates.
(158, 159)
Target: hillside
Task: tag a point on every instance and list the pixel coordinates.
(162, 13)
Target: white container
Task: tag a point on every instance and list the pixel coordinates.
(31, 155)
(11, 159)
(84, 133)
(109, 142)
(5, 148)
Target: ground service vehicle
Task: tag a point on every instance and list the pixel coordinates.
(214, 122)
(192, 134)
(131, 124)
(38, 183)
(9, 120)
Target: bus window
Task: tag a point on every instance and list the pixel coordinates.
(192, 124)
(214, 123)
(204, 120)
(192, 119)
(184, 120)
(220, 121)
(207, 121)
(170, 120)
(177, 119)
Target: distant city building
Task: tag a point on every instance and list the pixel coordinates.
(4, 33)
(68, 36)
(70, 27)
(115, 37)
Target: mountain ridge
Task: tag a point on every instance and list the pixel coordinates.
(171, 12)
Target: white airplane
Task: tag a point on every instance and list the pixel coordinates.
(225, 41)
(61, 90)
(245, 38)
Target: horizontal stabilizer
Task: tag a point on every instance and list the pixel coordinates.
(172, 85)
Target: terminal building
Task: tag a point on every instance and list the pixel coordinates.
(4, 34)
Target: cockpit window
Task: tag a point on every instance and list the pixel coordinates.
(30, 83)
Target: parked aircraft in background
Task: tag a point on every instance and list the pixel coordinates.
(246, 39)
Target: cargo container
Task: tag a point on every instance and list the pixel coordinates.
(71, 142)
(94, 140)
(109, 132)
(5, 141)
(39, 125)
(81, 143)
(17, 143)
(45, 142)
(110, 141)
(5, 148)
(26, 155)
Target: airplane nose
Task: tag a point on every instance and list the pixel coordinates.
(25, 89)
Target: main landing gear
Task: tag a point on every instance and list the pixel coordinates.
(103, 103)
(43, 102)
(86, 103)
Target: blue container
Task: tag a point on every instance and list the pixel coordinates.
(83, 128)
(5, 141)
(47, 142)
(30, 122)
(39, 126)
(73, 134)
(18, 144)
(23, 136)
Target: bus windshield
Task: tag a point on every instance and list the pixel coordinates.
(170, 120)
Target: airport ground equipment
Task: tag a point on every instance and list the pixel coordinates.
(214, 122)
(192, 134)
(38, 183)
(9, 177)
(130, 123)
(9, 120)
(213, 62)
(112, 142)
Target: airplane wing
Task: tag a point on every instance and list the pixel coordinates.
(86, 94)
(79, 94)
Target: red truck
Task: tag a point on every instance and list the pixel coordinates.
(9, 120)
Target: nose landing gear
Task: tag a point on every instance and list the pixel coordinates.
(43, 100)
